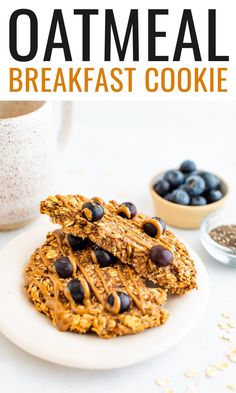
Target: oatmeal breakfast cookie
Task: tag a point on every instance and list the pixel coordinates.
(83, 288)
(137, 240)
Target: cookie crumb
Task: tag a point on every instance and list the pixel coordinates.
(191, 373)
(162, 381)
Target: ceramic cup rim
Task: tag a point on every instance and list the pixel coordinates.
(41, 105)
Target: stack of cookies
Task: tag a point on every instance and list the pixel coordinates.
(108, 269)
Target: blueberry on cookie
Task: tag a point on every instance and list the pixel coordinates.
(161, 256)
(154, 227)
(63, 267)
(118, 302)
(102, 257)
(92, 211)
(127, 210)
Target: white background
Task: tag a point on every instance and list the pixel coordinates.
(115, 150)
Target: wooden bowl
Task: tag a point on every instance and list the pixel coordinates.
(185, 217)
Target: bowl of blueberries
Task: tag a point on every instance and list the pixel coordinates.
(183, 197)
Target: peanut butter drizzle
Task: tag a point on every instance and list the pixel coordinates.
(41, 287)
(84, 281)
(72, 260)
(45, 259)
(99, 273)
(65, 201)
(106, 305)
(135, 299)
(135, 285)
(124, 209)
(88, 214)
(96, 293)
(135, 221)
(59, 308)
(85, 289)
(156, 224)
(54, 303)
(136, 237)
(99, 200)
(59, 237)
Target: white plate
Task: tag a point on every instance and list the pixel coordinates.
(35, 334)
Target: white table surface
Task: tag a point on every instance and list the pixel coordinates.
(115, 149)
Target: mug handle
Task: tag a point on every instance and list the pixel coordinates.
(65, 128)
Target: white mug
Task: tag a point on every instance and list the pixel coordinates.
(28, 148)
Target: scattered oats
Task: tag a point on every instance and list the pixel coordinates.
(231, 386)
(224, 315)
(191, 373)
(226, 337)
(231, 354)
(226, 325)
(162, 381)
(191, 389)
(168, 390)
(211, 371)
(232, 358)
(232, 349)
(221, 366)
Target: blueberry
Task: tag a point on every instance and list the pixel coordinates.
(92, 211)
(63, 267)
(154, 227)
(127, 210)
(76, 290)
(77, 243)
(214, 196)
(195, 185)
(174, 177)
(161, 256)
(162, 187)
(198, 201)
(151, 284)
(102, 257)
(188, 166)
(181, 197)
(124, 302)
(169, 197)
(186, 175)
(212, 181)
(182, 187)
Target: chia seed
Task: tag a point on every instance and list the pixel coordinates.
(225, 235)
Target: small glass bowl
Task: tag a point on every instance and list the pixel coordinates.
(223, 254)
